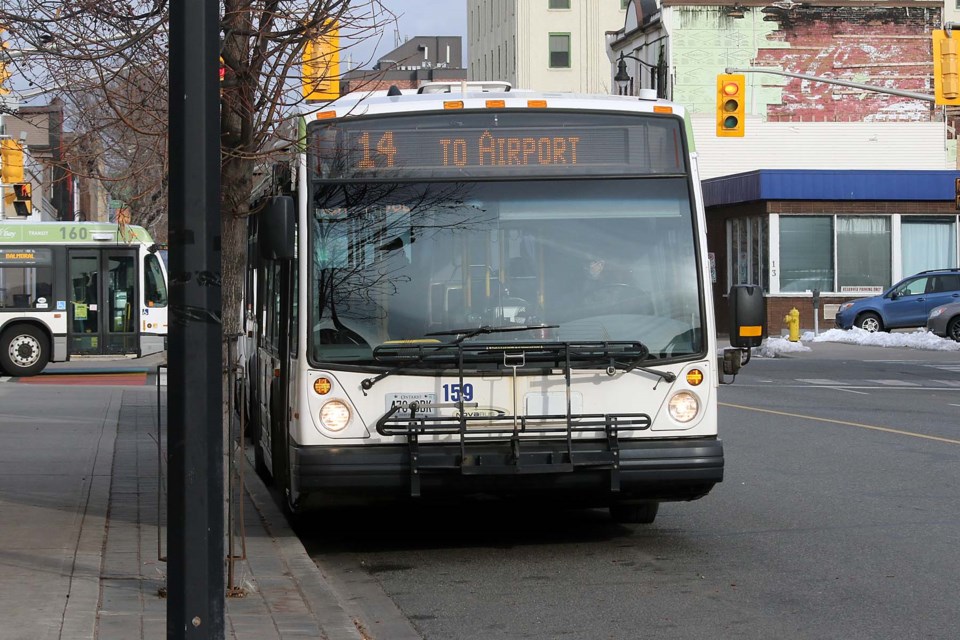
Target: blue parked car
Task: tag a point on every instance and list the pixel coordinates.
(905, 304)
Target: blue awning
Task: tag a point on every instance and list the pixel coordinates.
(813, 184)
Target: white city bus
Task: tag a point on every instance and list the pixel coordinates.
(488, 293)
(78, 288)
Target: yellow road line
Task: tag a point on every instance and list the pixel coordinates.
(842, 422)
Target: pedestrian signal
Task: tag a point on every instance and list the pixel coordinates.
(21, 199)
(22, 192)
(731, 99)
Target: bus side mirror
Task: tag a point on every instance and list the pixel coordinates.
(277, 229)
(748, 316)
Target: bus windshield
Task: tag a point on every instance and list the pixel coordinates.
(609, 259)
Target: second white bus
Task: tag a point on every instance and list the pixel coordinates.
(78, 288)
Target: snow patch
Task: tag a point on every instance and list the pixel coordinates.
(774, 347)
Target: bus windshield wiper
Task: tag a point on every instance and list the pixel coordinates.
(629, 364)
(462, 334)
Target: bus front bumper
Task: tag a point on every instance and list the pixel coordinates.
(594, 475)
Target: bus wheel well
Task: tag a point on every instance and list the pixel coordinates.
(24, 347)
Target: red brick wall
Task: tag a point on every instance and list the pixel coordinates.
(883, 46)
(778, 307)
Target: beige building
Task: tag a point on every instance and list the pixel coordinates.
(56, 166)
(548, 45)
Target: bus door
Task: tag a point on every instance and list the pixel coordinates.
(102, 306)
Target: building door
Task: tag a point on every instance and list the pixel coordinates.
(102, 308)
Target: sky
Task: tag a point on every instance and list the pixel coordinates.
(415, 18)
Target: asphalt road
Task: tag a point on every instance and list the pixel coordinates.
(837, 518)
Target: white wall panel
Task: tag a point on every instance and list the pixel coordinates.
(821, 145)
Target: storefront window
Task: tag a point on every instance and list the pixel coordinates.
(759, 248)
(748, 251)
(863, 252)
(928, 243)
(806, 253)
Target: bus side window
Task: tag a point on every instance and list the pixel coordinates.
(155, 290)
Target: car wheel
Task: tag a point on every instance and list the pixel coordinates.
(869, 322)
(639, 513)
(953, 329)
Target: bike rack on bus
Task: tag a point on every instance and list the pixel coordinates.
(485, 432)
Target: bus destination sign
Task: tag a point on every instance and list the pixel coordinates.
(25, 256)
(419, 146)
(467, 149)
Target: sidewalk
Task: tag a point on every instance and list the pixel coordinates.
(80, 546)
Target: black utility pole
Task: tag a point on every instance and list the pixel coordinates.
(195, 550)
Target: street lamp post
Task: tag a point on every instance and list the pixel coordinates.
(658, 74)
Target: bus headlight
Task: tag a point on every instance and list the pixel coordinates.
(684, 406)
(334, 415)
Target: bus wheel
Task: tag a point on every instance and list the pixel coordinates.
(639, 513)
(23, 351)
(259, 464)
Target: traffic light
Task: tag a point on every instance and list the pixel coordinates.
(731, 99)
(4, 74)
(321, 64)
(11, 157)
(946, 69)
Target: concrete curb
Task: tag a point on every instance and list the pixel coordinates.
(80, 613)
(317, 593)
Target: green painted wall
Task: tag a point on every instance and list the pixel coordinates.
(703, 42)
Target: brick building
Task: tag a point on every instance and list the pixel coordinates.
(833, 188)
(417, 61)
(846, 234)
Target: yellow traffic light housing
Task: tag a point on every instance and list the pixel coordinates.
(946, 68)
(11, 161)
(731, 105)
(321, 64)
(4, 73)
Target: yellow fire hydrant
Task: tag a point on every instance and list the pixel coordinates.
(793, 324)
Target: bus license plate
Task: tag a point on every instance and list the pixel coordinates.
(404, 400)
